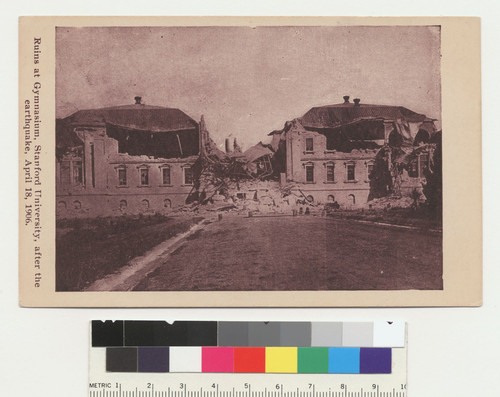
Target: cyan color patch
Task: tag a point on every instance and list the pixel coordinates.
(343, 360)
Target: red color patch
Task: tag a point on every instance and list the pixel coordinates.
(250, 359)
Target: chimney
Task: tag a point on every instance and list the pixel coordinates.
(137, 100)
(346, 98)
(228, 146)
(236, 147)
(356, 101)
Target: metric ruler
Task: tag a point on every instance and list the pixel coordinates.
(249, 385)
(106, 383)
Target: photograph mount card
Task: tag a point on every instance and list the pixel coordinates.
(272, 162)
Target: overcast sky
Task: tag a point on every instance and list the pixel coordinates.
(247, 81)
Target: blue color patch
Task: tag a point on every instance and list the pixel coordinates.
(343, 360)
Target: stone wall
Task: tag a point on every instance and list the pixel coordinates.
(102, 193)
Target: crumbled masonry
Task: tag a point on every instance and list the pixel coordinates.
(146, 159)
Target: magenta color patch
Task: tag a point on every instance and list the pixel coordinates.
(217, 359)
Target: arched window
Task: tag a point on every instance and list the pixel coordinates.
(351, 199)
(422, 137)
(331, 198)
(145, 205)
(61, 205)
(123, 205)
(77, 205)
(167, 203)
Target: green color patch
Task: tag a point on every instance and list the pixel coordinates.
(312, 360)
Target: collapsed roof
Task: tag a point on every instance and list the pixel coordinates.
(66, 137)
(257, 151)
(349, 126)
(139, 129)
(135, 117)
(332, 116)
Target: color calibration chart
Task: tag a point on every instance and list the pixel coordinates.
(247, 359)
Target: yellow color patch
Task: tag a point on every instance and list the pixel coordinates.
(281, 360)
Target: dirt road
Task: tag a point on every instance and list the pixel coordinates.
(300, 253)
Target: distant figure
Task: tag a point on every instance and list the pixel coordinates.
(301, 211)
(307, 211)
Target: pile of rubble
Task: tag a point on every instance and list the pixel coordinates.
(254, 196)
(241, 182)
(385, 203)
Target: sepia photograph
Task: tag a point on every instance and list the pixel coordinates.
(248, 158)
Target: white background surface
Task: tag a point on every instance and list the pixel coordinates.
(452, 351)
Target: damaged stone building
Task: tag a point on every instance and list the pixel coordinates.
(148, 159)
(350, 153)
(124, 159)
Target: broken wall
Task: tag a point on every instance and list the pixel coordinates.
(102, 194)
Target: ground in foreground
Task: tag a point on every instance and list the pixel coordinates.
(301, 253)
(89, 249)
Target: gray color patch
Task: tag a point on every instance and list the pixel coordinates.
(357, 334)
(295, 334)
(326, 334)
(264, 334)
(233, 333)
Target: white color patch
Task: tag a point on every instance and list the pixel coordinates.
(388, 334)
(185, 359)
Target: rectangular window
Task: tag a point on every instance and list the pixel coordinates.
(424, 164)
(144, 177)
(65, 173)
(309, 173)
(309, 144)
(188, 176)
(370, 169)
(165, 175)
(77, 172)
(351, 175)
(413, 169)
(122, 177)
(330, 173)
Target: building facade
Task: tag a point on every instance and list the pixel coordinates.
(124, 160)
(333, 152)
